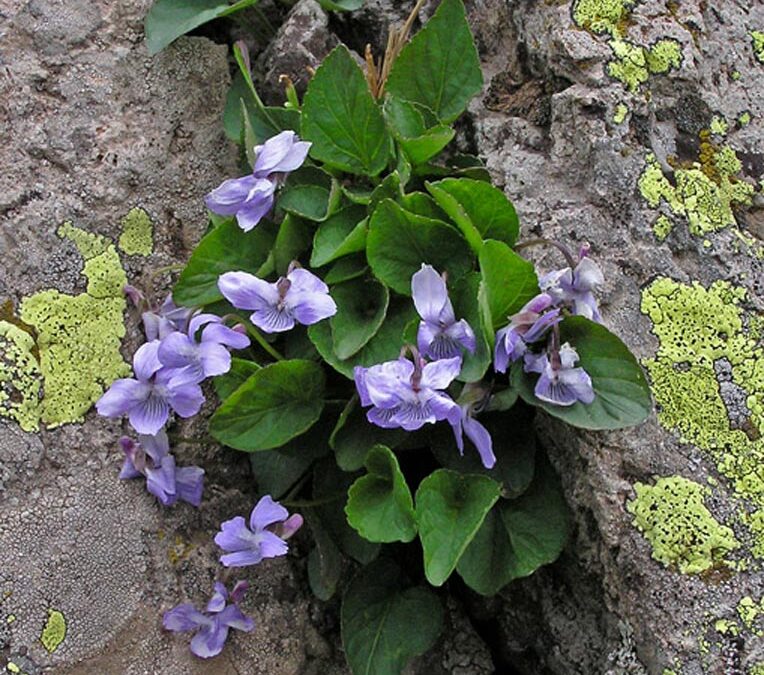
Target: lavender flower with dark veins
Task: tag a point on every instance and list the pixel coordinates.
(148, 398)
(440, 335)
(560, 383)
(408, 394)
(167, 482)
(299, 297)
(167, 319)
(250, 198)
(575, 287)
(211, 626)
(472, 398)
(194, 361)
(529, 325)
(270, 525)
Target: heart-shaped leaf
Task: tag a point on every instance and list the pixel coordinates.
(339, 235)
(439, 67)
(379, 504)
(450, 507)
(518, 536)
(275, 404)
(167, 20)
(361, 309)
(386, 621)
(508, 282)
(481, 210)
(399, 242)
(622, 395)
(227, 248)
(342, 119)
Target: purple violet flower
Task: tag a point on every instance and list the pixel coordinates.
(250, 198)
(194, 361)
(167, 319)
(299, 297)
(560, 382)
(529, 325)
(575, 287)
(212, 625)
(148, 399)
(408, 394)
(164, 480)
(440, 335)
(269, 526)
(477, 433)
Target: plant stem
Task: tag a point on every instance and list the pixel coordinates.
(548, 242)
(257, 335)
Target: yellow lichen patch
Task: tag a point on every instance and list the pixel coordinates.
(602, 16)
(620, 113)
(744, 119)
(137, 236)
(20, 377)
(756, 669)
(708, 381)
(719, 125)
(634, 64)
(749, 611)
(705, 192)
(54, 632)
(682, 531)
(78, 336)
(757, 41)
(726, 627)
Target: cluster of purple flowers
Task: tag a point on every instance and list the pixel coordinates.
(168, 371)
(409, 393)
(270, 525)
(560, 382)
(250, 198)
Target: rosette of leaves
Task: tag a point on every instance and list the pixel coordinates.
(383, 193)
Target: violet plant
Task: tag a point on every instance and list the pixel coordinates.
(400, 346)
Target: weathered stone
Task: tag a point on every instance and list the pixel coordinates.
(93, 128)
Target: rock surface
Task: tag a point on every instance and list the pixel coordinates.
(634, 126)
(94, 127)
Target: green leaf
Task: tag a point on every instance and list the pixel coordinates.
(309, 193)
(508, 282)
(227, 248)
(399, 242)
(379, 504)
(622, 395)
(167, 20)
(240, 371)
(422, 205)
(291, 242)
(389, 188)
(275, 404)
(276, 471)
(450, 507)
(324, 562)
(481, 210)
(330, 485)
(538, 522)
(361, 309)
(439, 67)
(342, 119)
(264, 124)
(341, 5)
(386, 622)
(408, 127)
(354, 436)
(514, 444)
(384, 346)
(518, 536)
(341, 234)
(345, 269)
